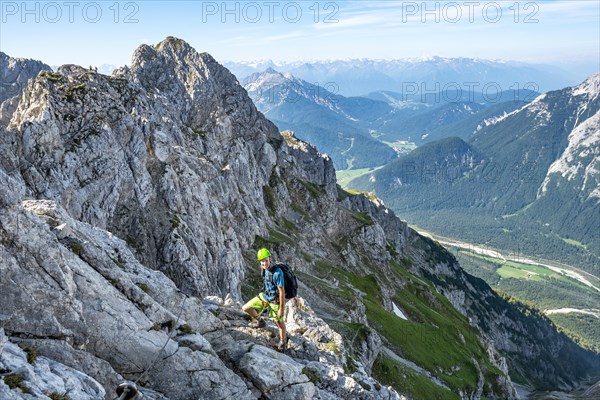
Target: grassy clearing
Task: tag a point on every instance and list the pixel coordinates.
(522, 211)
(507, 272)
(517, 270)
(574, 243)
(345, 176)
(531, 268)
(543, 289)
(401, 145)
(408, 382)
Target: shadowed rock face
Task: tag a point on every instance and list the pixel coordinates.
(16, 72)
(131, 208)
(14, 75)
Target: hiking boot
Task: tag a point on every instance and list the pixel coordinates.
(257, 323)
(281, 346)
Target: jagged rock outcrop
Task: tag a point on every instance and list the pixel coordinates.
(42, 378)
(176, 171)
(16, 72)
(132, 205)
(150, 167)
(96, 297)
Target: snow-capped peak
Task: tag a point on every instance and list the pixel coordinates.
(591, 87)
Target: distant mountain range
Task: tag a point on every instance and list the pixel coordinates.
(416, 77)
(357, 132)
(529, 179)
(337, 125)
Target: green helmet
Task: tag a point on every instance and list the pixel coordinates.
(262, 254)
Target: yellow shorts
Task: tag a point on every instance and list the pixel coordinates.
(259, 304)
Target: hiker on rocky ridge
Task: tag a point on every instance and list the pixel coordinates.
(272, 298)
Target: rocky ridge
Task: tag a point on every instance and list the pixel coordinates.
(92, 158)
(131, 210)
(16, 72)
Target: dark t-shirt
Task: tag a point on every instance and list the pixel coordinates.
(272, 293)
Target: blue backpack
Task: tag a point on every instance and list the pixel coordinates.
(290, 281)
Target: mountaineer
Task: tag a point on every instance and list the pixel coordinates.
(279, 284)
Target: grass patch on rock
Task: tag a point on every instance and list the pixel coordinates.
(408, 381)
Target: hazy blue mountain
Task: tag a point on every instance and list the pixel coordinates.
(434, 74)
(465, 128)
(452, 95)
(337, 125)
(418, 128)
(438, 115)
(332, 121)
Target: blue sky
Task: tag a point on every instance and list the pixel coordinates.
(565, 33)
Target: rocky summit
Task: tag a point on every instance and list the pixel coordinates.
(131, 209)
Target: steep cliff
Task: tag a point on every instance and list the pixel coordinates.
(131, 209)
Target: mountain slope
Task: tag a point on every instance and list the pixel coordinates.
(426, 117)
(533, 141)
(419, 128)
(426, 174)
(575, 173)
(131, 200)
(469, 126)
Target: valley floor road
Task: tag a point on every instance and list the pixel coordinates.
(581, 276)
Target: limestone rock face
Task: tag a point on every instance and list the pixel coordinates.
(98, 299)
(125, 199)
(41, 378)
(16, 72)
(160, 155)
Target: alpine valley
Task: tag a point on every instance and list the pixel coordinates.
(527, 182)
(131, 209)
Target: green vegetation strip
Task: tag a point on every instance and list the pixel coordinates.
(345, 176)
(583, 328)
(437, 337)
(408, 382)
(510, 272)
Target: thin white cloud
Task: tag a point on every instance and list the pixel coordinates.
(396, 13)
(284, 36)
(356, 21)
